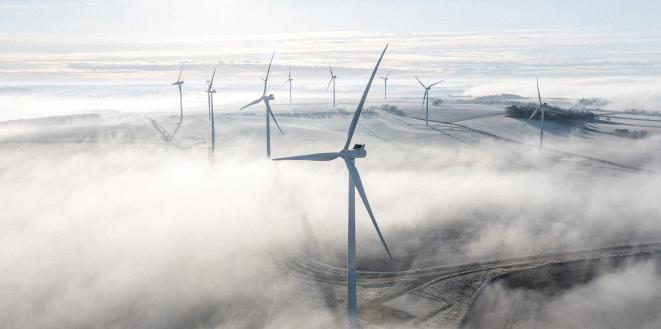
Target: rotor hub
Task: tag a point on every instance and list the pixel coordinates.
(358, 151)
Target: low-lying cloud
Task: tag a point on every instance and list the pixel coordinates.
(143, 235)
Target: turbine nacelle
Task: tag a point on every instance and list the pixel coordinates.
(178, 83)
(270, 97)
(358, 151)
(211, 91)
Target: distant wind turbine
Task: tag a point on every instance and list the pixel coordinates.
(289, 80)
(210, 92)
(332, 80)
(269, 112)
(168, 137)
(355, 183)
(385, 85)
(425, 98)
(541, 108)
(179, 83)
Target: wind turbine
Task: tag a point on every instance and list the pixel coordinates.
(266, 100)
(349, 155)
(332, 80)
(385, 85)
(541, 121)
(168, 137)
(425, 98)
(289, 80)
(179, 83)
(210, 92)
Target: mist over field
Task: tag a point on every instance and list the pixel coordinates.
(136, 233)
(519, 192)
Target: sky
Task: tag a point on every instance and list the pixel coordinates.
(94, 18)
(97, 52)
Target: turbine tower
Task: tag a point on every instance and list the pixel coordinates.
(385, 85)
(289, 80)
(210, 92)
(425, 98)
(355, 183)
(541, 108)
(179, 83)
(332, 80)
(266, 100)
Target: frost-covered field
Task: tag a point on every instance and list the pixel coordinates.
(100, 214)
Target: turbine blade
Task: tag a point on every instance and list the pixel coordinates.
(180, 69)
(289, 77)
(313, 157)
(355, 176)
(538, 94)
(212, 77)
(331, 71)
(356, 116)
(268, 71)
(268, 108)
(251, 103)
(329, 83)
(435, 83)
(387, 75)
(420, 82)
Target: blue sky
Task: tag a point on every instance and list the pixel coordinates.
(96, 18)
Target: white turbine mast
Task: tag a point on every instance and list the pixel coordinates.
(179, 83)
(288, 81)
(332, 80)
(541, 109)
(168, 137)
(355, 183)
(210, 92)
(266, 99)
(425, 98)
(385, 85)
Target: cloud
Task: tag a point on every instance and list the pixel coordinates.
(617, 297)
(121, 231)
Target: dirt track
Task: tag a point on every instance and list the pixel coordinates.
(439, 296)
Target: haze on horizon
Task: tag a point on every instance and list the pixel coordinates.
(98, 55)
